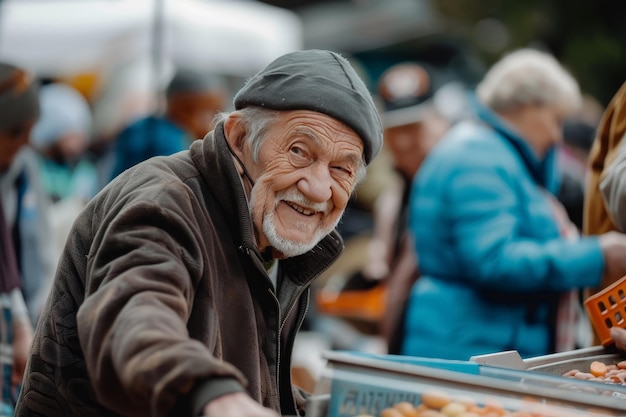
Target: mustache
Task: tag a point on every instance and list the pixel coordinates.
(294, 196)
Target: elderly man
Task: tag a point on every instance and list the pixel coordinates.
(184, 282)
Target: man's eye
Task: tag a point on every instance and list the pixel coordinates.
(299, 157)
(299, 153)
(343, 170)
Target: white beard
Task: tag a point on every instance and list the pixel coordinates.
(287, 247)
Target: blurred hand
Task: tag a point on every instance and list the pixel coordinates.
(377, 266)
(619, 337)
(22, 338)
(613, 246)
(237, 404)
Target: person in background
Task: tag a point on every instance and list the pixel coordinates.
(412, 126)
(62, 136)
(67, 172)
(603, 192)
(124, 94)
(184, 282)
(499, 259)
(606, 190)
(26, 204)
(193, 99)
(19, 109)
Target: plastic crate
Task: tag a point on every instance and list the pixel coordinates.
(606, 309)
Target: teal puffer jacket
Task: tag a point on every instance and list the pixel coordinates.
(492, 258)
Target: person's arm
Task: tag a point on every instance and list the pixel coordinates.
(613, 187)
(132, 325)
(483, 210)
(381, 246)
(22, 335)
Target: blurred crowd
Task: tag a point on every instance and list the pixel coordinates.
(477, 259)
(474, 212)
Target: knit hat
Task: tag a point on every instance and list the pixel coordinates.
(320, 81)
(407, 91)
(18, 97)
(63, 110)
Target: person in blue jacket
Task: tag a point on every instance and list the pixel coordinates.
(193, 99)
(497, 254)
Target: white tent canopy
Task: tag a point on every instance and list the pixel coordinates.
(57, 37)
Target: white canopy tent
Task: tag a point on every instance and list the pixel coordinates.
(132, 46)
(55, 37)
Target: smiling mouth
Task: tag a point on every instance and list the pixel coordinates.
(300, 209)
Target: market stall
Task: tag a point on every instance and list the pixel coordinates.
(355, 384)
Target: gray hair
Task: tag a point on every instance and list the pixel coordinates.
(258, 121)
(528, 76)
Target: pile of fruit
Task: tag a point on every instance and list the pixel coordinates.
(436, 403)
(601, 372)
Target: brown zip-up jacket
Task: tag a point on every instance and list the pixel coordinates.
(161, 301)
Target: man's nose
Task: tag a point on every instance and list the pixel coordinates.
(316, 184)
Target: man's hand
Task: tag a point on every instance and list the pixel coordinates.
(237, 404)
(619, 337)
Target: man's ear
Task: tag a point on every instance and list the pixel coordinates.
(235, 133)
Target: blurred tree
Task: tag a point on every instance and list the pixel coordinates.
(587, 37)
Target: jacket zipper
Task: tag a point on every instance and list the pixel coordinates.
(292, 339)
(255, 259)
(289, 344)
(278, 329)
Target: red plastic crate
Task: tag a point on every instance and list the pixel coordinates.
(607, 308)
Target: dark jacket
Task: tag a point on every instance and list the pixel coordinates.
(145, 138)
(161, 301)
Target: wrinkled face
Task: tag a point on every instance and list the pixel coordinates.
(11, 141)
(410, 143)
(540, 125)
(306, 171)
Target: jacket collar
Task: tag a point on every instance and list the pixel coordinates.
(215, 163)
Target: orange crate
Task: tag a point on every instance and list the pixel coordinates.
(607, 308)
